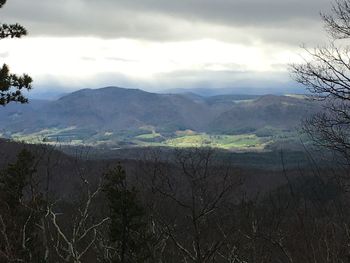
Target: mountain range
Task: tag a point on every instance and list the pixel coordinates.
(116, 110)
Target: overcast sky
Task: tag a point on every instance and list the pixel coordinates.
(160, 44)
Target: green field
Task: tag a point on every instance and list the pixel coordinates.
(228, 142)
(44, 136)
(150, 138)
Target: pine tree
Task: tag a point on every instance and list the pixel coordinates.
(128, 228)
(20, 211)
(12, 85)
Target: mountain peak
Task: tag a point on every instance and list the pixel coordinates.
(116, 88)
(109, 90)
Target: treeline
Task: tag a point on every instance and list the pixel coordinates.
(193, 209)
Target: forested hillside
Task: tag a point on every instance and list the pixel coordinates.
(117, 117)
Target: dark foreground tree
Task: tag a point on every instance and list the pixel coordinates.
(128, 231)
(326, 74)
(75, 228)
(12, 85)
(189, 206)
(21, 211)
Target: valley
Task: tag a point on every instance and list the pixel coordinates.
(117, 118)
(76, 137)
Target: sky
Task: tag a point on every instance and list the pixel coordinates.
(159, 45)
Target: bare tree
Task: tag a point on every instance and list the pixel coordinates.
(21, 211)
(197, 193)
(326, 74)
(73, 242)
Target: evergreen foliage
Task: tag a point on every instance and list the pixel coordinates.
(12, 85)
(128, 227)
(20, 211)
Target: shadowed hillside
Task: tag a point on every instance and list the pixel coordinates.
(128, 117)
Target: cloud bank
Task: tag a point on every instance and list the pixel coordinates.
(153, 41)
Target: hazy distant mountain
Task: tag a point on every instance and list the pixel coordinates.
(208, 92)
(280, 112)
(117, 109)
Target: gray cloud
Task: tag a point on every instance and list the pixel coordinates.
(283, 21)
(270, 24)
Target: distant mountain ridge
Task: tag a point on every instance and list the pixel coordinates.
(245, 90)
(119, 109)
